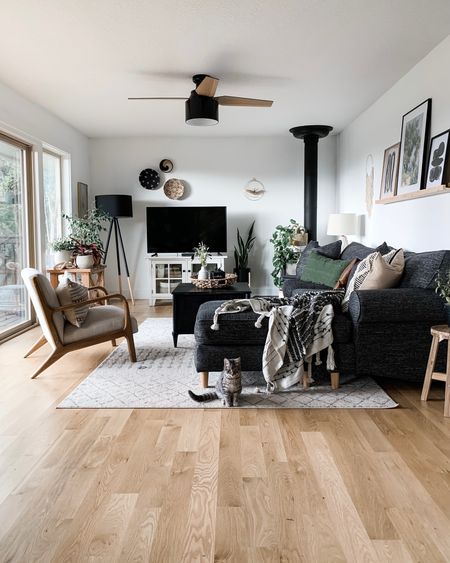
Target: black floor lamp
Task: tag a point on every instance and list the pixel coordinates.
(117, 206)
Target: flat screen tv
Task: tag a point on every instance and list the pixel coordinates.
(179, 229)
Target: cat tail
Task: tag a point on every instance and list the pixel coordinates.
(202, 398)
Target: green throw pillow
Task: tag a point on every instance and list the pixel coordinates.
(323, 270)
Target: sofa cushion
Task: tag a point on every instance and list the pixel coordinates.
(360, 251)
(385, 273)
(421, 268)
(363, 269)
(331, 250)
(323, 270)
(234, 328)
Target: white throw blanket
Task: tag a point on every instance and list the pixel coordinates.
(299, 328)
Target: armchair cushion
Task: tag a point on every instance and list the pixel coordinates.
(48, 293)
(71, 292)
(100, 320)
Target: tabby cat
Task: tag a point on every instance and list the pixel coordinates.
(228, 386)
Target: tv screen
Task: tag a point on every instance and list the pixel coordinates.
(179, 229)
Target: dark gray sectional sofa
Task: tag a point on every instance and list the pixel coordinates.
(386, 333)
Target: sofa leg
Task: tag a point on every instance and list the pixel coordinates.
(204, 378)
(307, 374)
(334, 375)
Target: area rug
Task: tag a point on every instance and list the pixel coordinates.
(163, 374)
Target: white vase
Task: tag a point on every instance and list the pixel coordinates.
(62, 256)
(85, 261)
(203, 274)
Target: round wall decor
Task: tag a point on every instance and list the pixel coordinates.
(174, 189)
(166, 165)
(149, 179)
(254, 189)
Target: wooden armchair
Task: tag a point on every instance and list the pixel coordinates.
(107, 322)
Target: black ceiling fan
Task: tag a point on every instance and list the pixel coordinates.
(202, 106)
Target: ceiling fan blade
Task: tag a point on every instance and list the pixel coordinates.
(207, 86)
(249, 102)
(157, 98)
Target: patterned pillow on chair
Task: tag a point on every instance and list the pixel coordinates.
(70, 292)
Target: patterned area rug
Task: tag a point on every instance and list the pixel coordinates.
(163, 374)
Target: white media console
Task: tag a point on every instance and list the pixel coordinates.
(168, 270)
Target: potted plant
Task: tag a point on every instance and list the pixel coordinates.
(284, 253)
(443, 289)
(241, 254)
(63, 248)
(202, 252)
(85, 235)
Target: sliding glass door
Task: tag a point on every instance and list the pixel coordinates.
(16, 233)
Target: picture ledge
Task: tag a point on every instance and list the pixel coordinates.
(428, 192)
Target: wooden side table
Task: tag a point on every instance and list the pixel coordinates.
(89, 276)
(439, 333)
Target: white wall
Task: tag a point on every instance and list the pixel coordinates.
(420, 224)
(215, 171)
(31, 122)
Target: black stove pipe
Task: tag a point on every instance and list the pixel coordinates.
(310, 135)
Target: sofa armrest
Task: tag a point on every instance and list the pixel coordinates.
(397, 305)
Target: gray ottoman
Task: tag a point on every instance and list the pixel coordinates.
(236, 337)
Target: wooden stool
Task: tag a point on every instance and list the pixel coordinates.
(439, 333)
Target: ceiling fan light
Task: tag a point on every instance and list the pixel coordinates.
(201, 110)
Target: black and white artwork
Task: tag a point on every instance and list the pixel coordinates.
(390, 171)
(414, 139)
(437, 171)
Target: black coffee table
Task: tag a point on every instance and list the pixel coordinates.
(187, 299)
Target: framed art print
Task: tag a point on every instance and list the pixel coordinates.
(82, 196)
(390, 171)
(413, 144)
(437, 169)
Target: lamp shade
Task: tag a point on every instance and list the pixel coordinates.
(116, 205)
(342, 224)
(202, 110)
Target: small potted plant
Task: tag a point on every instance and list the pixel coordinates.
(202, 252)
(241, 254)
(284, 252)
(85, 235)
(443, 289)
(63, 248)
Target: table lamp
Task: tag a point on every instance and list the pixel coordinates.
(342, 224)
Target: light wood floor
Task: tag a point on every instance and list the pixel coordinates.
(222, 485)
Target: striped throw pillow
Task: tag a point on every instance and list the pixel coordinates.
(362, 271)
(70, 292)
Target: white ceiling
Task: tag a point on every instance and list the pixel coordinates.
(321, 61)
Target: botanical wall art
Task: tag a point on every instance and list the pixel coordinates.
(437, 171)
(390, 171)
(414, 138)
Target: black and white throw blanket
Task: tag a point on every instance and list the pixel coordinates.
(299, 328)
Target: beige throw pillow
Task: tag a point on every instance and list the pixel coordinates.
(385, 274)
(71, 292)
(362, 271)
